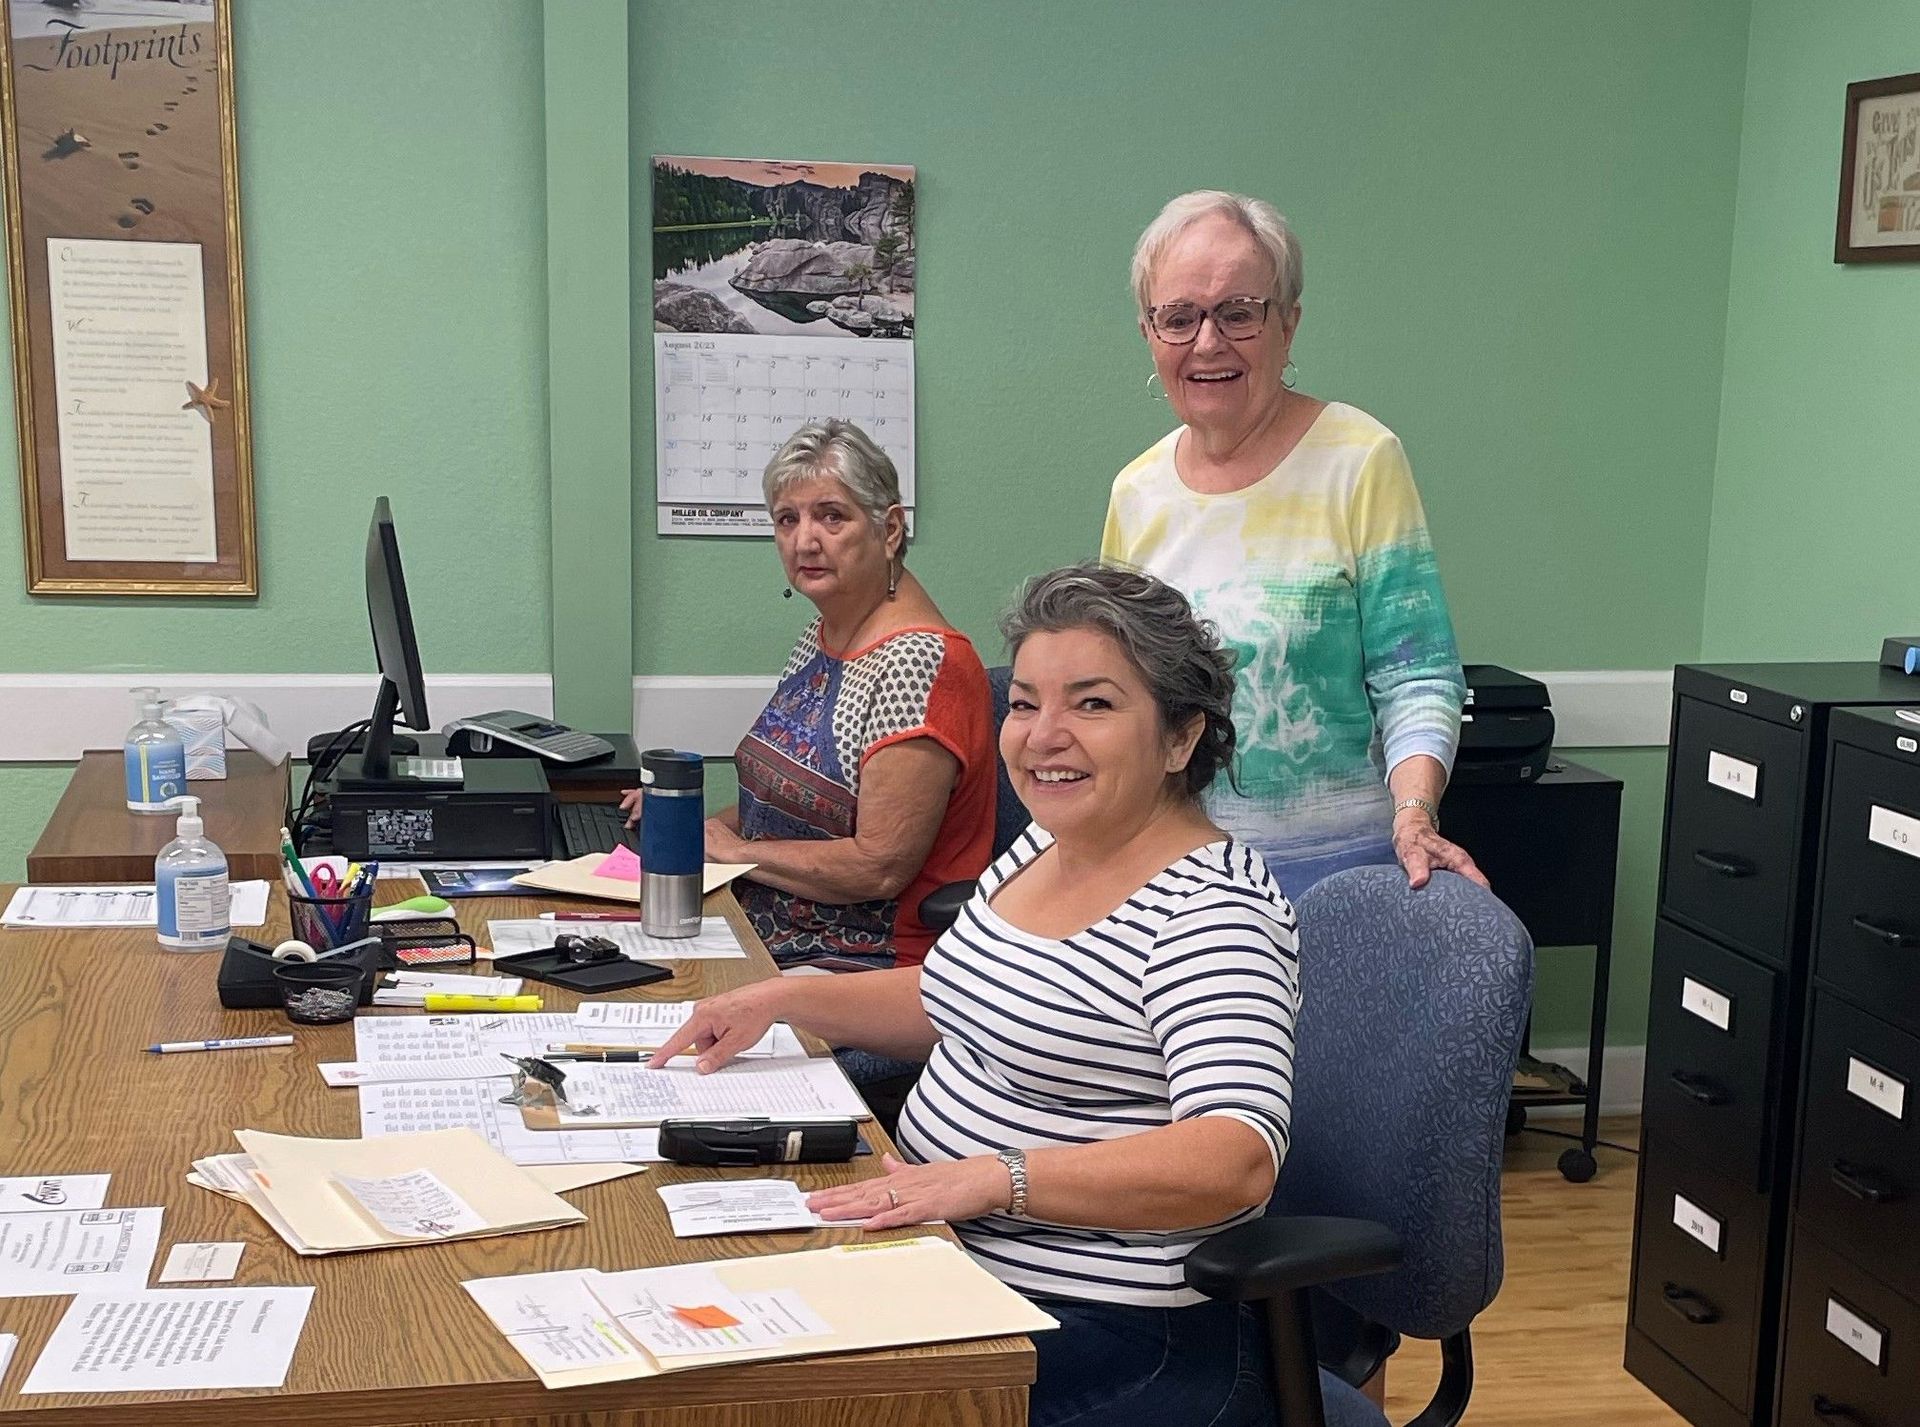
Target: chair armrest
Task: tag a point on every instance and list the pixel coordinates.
(1276, 1255)
(940, 908)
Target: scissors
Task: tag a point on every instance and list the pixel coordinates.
(326, 882)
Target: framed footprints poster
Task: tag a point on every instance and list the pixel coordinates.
(127, 301)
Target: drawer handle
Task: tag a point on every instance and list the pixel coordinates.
(1892, 936)
(1689, 1305)
(1866, 1184)
(1824, 1406)
(1725, 863)
(1698, 1088)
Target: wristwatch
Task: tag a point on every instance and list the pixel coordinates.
(1016, 1163)
(1431, 810)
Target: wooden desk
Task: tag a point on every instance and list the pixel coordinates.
(392, 1338)
(91, 836)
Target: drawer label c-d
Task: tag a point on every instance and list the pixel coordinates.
(1884, 1092)
(1856, 1332)
(1736, 775)
(1895, 830)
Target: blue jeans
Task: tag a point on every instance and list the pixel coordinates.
(1113, 1365)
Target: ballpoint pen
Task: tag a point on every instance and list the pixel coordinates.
(232, 1043)
(589, 916)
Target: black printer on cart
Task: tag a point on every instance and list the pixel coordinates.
(1506, 728)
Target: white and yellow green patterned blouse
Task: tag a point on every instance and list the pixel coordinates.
(1322, 577)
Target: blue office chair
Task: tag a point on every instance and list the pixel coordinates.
(1414, 1004)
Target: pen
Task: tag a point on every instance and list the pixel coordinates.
(609, 1057)
(589, 917)
(235, 1043)
(446, 1001)
(611, 1052)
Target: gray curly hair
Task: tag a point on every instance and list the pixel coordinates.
(1177, 653)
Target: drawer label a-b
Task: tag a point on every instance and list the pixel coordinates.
(1895, 830)
(1736, 775)
(1706, 1003)
(1884, 1092)
(1696, 1223)
(1856, 1332)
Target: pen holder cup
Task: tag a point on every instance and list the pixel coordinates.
(320, 993)
(326, 922)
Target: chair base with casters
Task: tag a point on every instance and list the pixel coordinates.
(1414, 1007)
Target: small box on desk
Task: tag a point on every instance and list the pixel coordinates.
(1902, 653)
(502, 810)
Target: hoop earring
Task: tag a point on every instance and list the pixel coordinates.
(1291, 366)
(1160, 395)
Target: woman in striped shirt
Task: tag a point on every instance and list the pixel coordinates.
(1108, 1027)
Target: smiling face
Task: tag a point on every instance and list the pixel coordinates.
(827, 546)
(1083, 741)
(1212, 383)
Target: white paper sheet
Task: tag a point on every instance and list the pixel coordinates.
(201, 1263)
(95, 1249)
(632, 1094)
(736, 1206)
(416, 1205)
(714, 941)
(676, 1312)
(411, 988)
(8, 1342)
(391, 1072)
(32, 1193)
(552, 1320)
(649, 1023)
(173, 1338)
(136, 459)
(475, 1104)
(124, 904)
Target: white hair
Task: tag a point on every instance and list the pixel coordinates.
(1258, 217)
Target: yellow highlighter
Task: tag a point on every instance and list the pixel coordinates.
(445, 1001)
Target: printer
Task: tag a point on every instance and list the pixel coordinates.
(1506, 728)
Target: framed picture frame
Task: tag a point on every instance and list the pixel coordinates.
(1879, 218)
(128, 298)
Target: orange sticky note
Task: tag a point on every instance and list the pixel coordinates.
(707, 1315)
(623, 862)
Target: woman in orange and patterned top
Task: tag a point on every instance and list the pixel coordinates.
(868, 780)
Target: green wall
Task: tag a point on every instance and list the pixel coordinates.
(1499, 201)
(1812, 553)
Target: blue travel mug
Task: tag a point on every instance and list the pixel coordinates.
(673, 841)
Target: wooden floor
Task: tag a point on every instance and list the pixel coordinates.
(1548, 1351)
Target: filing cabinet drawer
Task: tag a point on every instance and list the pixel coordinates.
(1852, 1346)
(1709, 1051)
(1732, 814)
(1867, 932)
(1859, 1173)
(1701, 1246)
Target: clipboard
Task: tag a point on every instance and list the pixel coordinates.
(844, 1100)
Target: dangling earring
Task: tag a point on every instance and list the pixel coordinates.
(893, 579)
(1160, 395)
(1293, 367)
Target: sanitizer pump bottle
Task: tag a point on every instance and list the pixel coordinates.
(156, 758)
(190, 881)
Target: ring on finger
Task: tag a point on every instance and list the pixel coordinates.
(893, 1199)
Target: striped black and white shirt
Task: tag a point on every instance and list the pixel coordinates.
(1181, 1003)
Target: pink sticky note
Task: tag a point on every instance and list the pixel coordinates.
(623, 862)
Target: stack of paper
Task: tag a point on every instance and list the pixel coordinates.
(581, 1327)
(228, 1174)
(120, 904)
(714, 941)
(799, 1089)
(338, 1196)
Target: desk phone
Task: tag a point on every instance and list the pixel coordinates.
(505, 733)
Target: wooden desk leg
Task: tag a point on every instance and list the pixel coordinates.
(982, 1407)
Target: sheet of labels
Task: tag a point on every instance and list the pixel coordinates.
(724, 402)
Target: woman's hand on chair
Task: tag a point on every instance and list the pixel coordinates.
(1422, 851)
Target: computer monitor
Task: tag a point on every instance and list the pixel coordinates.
(403, 689)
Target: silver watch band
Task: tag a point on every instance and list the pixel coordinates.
(1016, 1163)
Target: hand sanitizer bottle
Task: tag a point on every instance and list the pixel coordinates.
(156, 758)
(190, 881)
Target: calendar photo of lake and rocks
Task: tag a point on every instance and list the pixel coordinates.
(783, 248)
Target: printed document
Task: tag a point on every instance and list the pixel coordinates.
(54, 1253)
(806, 1088)
(414, 1205)
(173, 1338)
(117, 905)
(737, 1206)
(555, 1322)
(714, 941)
(29, 1192)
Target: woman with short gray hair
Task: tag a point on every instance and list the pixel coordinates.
(868, 780)
(1108, 1026)
(1294, 525)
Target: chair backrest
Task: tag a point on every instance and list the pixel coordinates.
(1010, 816)
(1413, 1009)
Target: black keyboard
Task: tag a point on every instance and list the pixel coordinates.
(590, 827)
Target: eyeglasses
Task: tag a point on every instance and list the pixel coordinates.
(1237, 318)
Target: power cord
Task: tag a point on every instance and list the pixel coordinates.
(318, 771)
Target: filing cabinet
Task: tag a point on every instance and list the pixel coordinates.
(1751, 772)
(1851, 1348)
